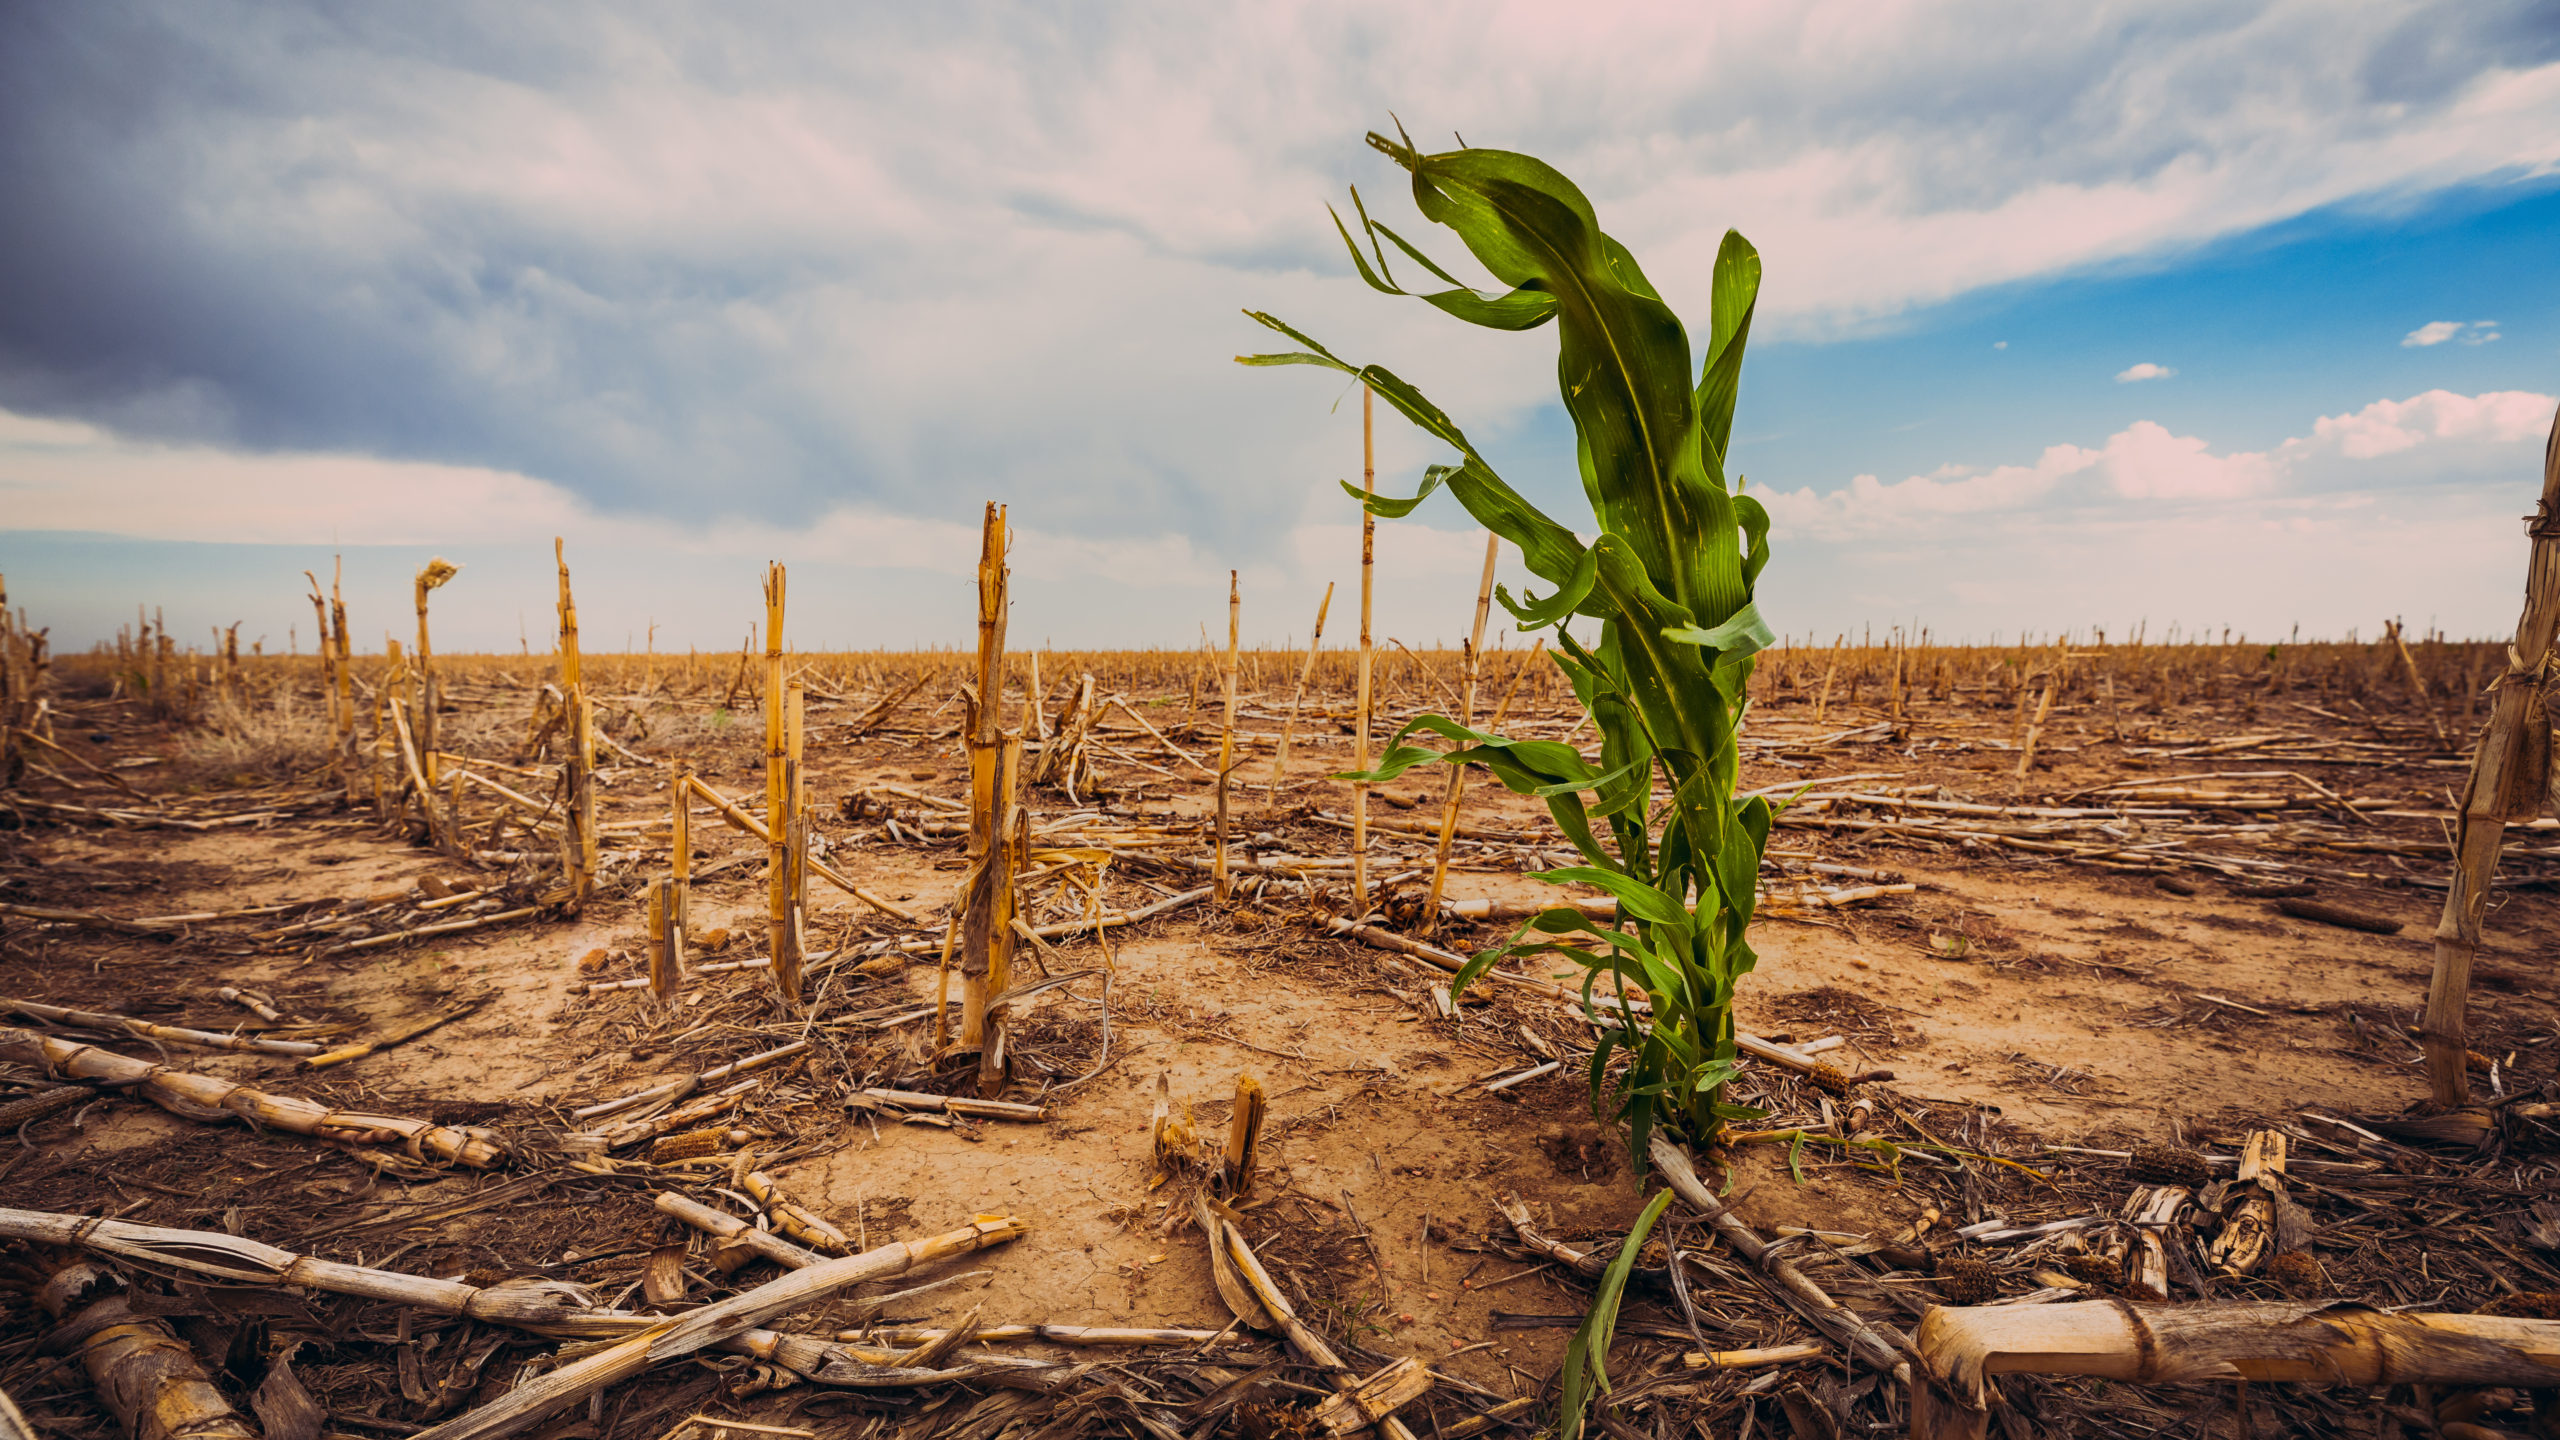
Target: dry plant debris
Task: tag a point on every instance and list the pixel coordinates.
(2178, 1094)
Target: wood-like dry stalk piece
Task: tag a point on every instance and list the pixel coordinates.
(206, 1097)
(1244, 1136)
(2512, 778)
(166, 1034)
(2332, 1343)
(148, 1378)
(531, 1402)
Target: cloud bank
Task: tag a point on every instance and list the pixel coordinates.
(2401, 506)
(2397, 508)
(2482, 438)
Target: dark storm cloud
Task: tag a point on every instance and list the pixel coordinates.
(229, 226)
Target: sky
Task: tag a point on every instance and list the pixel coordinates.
(2075, 317)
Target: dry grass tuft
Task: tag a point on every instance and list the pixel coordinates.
(250, 742)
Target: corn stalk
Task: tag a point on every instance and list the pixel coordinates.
(1668, 581)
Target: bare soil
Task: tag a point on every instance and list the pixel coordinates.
(2018, 1000)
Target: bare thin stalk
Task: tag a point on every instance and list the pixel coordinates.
(1466, 716)
(1298, 696)
(985, 931)
(1368, 586)
(782, 934)
(578, 830)
(1227, 735)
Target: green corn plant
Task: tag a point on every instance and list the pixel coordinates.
(1669, 580)
(1585, 1371)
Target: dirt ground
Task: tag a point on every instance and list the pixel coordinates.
(2019, 1001)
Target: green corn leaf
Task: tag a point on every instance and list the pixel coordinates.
(1547, 769)
(1549, 550)
(1621, 263)
(1549, 760)
(1623, 356)
(1641, 900)
(1568, 596)
(1293, 357)
(1623, 956)
(1586, 1360)
(1605, 1043)
(1567, 920)
(1390, 508)
(1562, 920)
(1687, 1075)
(1384, 286)
(1743, 634)
(1626, 742)
(1736, 295)
(1602, 781)
(1739, 871)
(1518, 310)
(1753, 517)
(1679, 707)
(1374, 229)
(1572, 817)
(1627, 959)
(1475, 967)
(1544, 303)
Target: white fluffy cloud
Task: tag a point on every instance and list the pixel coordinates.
(2146, 462)
(2400, 507)
(2327, 564)
(2144, 371)
(2386, 427)
(2436, 332)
